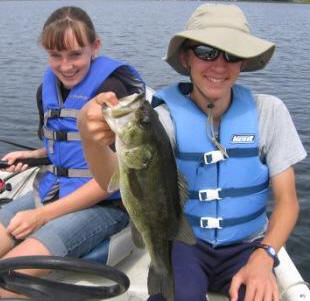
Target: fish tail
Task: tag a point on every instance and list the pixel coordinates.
(169, 287)
(160, 283)
(185, 233)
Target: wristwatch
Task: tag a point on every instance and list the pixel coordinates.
(271, 252)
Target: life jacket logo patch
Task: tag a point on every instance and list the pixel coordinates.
(243, 139)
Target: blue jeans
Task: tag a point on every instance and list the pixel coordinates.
(74, 234)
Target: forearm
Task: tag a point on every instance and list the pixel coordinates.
(285, 212)
(281, 224)
(261, 281)
(96, 137)
(102, 162)
(38, 153)
(86, 196)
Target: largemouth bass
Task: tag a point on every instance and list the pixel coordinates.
(151, 189)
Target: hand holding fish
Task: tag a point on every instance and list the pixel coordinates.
(108, 99)
(97, 136)
(91, 122)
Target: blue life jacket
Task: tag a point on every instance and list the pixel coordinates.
(227, 196)
(61, 137)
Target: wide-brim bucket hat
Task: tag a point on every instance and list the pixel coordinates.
(224, 27)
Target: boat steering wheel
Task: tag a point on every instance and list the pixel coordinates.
(51, 290)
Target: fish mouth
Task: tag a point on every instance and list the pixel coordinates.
(125, 106)
(119, 116)
(119, 119)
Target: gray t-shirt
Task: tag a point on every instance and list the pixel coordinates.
(279, 146)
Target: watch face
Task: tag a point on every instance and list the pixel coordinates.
(271, 251)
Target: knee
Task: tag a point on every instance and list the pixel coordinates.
(7, 243)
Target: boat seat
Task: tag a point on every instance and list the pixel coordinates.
(113, 249)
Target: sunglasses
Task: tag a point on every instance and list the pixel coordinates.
(208, 53)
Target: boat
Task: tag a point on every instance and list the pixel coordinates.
(134, 262)
(120, 253)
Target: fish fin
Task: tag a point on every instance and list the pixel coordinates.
(182, 188)
(185, 233)
(114, 182)
(169, 287)
(134, 185)
(153, 282)
(160, 284)
(136, 236)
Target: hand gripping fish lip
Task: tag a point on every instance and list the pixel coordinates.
(125, 106)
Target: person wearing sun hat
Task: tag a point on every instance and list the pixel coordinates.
(229, 145)
(225, 29)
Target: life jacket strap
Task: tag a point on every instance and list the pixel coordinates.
(60, 135)
(220, 193)
(69, 172)
(207, 222)
(60, 113)
(216, 155)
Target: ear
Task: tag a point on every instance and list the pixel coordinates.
(183, 57)
(96, 47)
(243, 65)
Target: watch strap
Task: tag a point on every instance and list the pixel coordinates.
(270, 251)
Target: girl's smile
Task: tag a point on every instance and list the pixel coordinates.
(72, 65)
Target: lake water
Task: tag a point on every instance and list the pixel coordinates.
(138, 32)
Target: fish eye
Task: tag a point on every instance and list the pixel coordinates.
(145, 162)
(145, 121)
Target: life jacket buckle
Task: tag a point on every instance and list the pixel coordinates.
(60, 171)
(210, 222)
(213, 157)
(55, 113)
(60, 136)
(209, 194)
